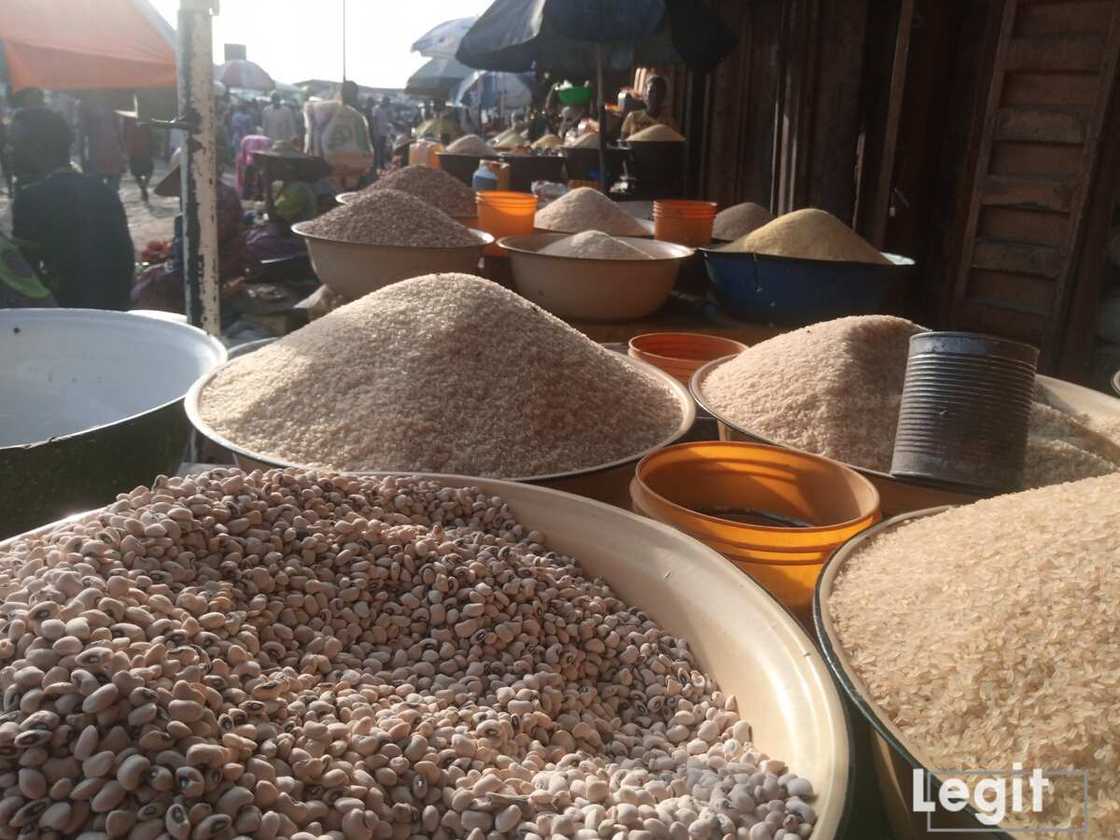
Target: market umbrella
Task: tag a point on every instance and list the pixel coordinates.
(437, 79)
(575, 37)
(443, 40)
(241, 73)
(510, 90)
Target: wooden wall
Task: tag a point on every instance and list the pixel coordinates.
(978, 136)
(778, 122)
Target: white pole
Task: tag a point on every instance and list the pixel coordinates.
(199, 165)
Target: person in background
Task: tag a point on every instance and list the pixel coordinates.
(163, 286)
(241, 126)
(656, 111)
(70, 227)
(380, 128)
(339, 134)
(103, 152)
(24, 102)
(140, 144)
(278, 121)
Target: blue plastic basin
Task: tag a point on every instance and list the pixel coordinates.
(795, 292)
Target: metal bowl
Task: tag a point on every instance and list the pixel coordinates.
(594, 290)
(895, 760)
(353, 269)
(795, 292)
(900, 495)
(90, 406)
(740, 636)
(608, 482)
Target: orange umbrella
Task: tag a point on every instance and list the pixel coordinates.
(86, 44)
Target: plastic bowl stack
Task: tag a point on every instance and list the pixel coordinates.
(685, 222)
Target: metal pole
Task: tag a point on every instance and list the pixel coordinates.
(344, 40)
(199, 165)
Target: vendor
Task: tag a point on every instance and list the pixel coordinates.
(70, 227)
(656, 111)
(443, 127)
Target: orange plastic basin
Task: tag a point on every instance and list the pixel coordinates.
(698, 487)
(686, 222)
(505, 213)
(681, 354)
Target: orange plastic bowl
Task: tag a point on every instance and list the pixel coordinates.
(505, 213)
(681, 354)
(716, 491)
(686, 222)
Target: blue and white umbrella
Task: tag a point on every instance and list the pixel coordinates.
(443, 40)
(487, 89)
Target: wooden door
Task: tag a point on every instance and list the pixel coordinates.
(1052, 80)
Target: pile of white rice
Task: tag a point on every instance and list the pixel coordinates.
(594, 245)
(585, 208)
(989, 635)
(443, 373)
(835, 388)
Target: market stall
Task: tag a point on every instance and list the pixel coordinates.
(567, 517)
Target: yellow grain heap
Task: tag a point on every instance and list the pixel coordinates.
(656, 134)
(809, 234)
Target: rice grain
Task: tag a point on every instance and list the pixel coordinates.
(444, 373)
(594, 245)
(585, 208)
(432, 186)
(391, 217)
(987, 634)
(809, 234)
(471, 144)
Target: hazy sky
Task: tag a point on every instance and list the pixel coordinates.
(302, 39)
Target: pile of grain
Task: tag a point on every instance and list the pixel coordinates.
(809, 234)
(509, 138)
(835, 389)
(391, 217)
(285, 655)
(444, 373)
(471, 144)
(588, 140)
(547, 141)
(585, 208)
(739, 220)
(433, 186)
(659, 133)
(595, 245)
(987, 634)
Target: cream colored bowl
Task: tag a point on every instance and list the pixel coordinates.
(353, 269)
(594, 290)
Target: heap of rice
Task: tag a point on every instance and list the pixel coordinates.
(585, 208)
(433, 186)
(471, 144)
(547, 141)
(509, 138)
(588, 140)
(391, 217)
(835, 388)
(659, 133)
(739, 220)
(809, 234)
(988, 635)
(443, 373)
(595, 245)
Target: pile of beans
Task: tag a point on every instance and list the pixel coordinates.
(285, 655)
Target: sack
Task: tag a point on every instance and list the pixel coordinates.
(345, 142)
